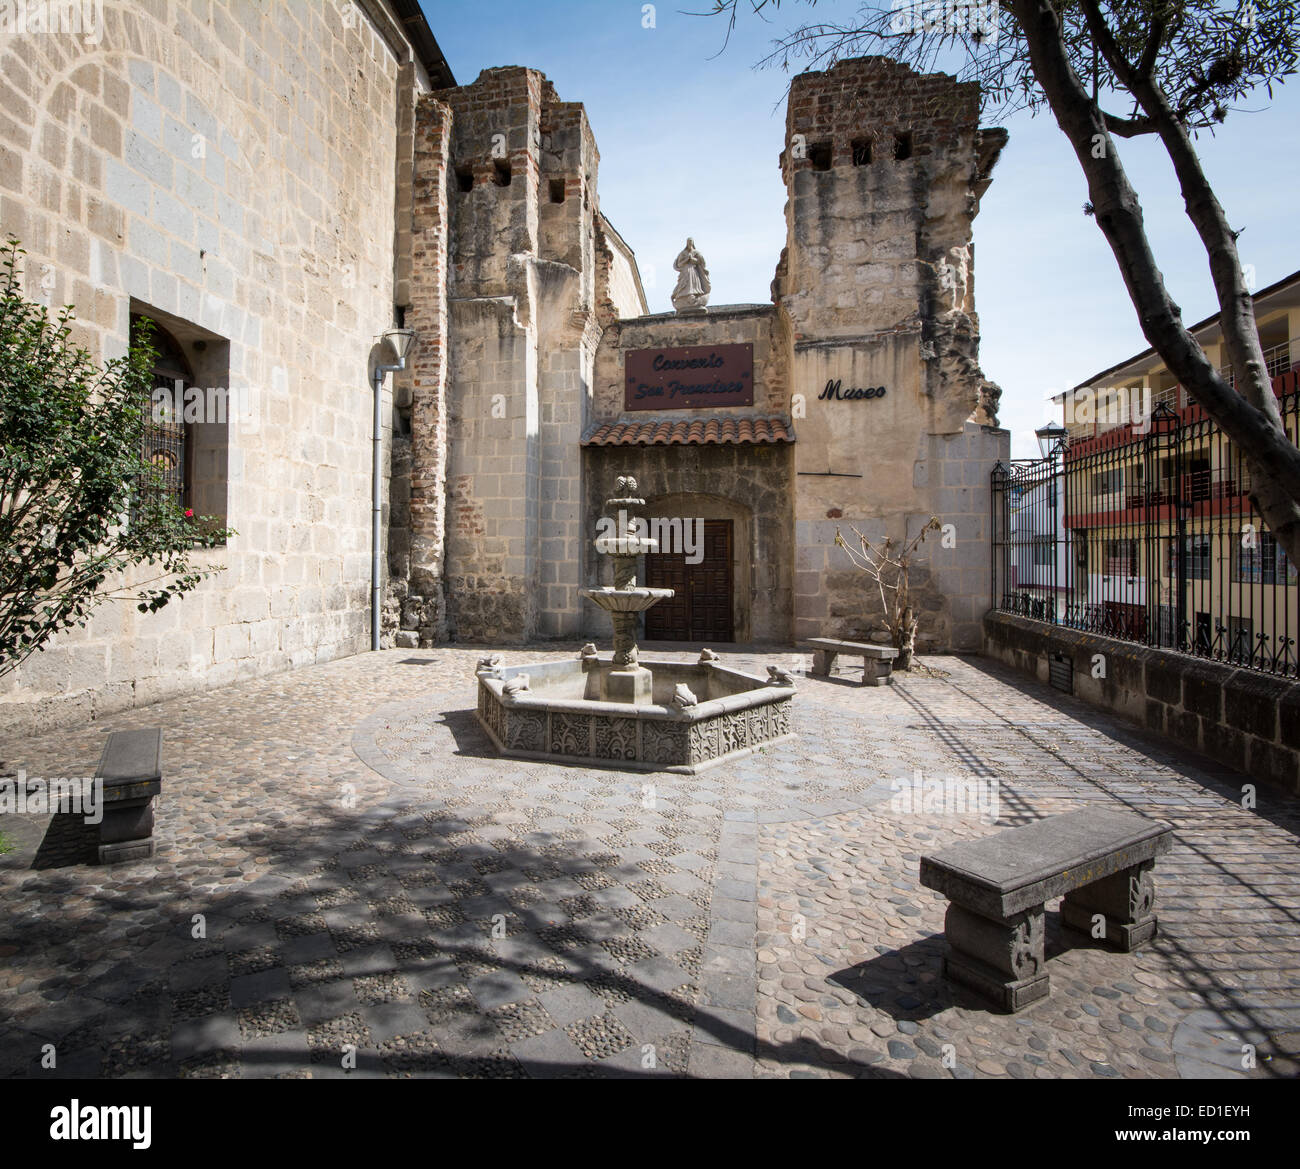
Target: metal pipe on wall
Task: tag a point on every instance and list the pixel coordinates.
(400, 340)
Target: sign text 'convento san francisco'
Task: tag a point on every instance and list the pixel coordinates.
(693, 378)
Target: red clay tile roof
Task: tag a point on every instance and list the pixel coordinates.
(690, 431)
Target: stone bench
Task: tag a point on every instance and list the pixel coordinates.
(1101, 861)
(131, 772)
(877, 660)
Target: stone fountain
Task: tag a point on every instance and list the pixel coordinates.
(621, 712)
(628, 680)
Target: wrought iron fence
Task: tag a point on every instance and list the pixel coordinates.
(1146, 532)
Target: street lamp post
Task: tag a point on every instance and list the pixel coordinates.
(399, 340)
(1051, 444)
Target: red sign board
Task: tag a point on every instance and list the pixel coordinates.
(698, 377)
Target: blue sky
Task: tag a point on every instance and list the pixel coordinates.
(689, 141)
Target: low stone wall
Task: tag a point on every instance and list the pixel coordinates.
(1242, 718)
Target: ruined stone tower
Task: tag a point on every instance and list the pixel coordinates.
(514, 269)
(884, 170)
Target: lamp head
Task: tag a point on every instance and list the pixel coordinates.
(1049, 436)
(400, 340)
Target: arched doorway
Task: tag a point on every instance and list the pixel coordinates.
(706, 562)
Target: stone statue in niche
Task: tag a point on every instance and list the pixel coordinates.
(691, 292)
(953, 277)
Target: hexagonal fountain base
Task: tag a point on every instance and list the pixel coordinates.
(561, 716)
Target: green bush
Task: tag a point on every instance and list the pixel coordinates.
(80, 503)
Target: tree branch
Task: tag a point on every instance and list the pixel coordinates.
(1127, 127)
(1146, 66)
(1255, 428)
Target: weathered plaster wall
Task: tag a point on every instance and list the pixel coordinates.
(626, 297)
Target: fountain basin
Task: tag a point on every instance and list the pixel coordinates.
(561, 716)
(626, 600)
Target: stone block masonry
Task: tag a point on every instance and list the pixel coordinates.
(418, 583)
(278, 187)
(230, 170)
(513, 276)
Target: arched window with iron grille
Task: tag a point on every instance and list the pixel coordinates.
(166, 434)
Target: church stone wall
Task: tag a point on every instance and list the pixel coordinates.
(272, 183)
(230, 168)
(751, 484)
(415, 606)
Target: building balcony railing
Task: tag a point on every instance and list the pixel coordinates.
(1196, 487)
(1282, 366)
(1277, 361)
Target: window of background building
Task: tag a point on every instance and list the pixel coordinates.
(1108, 482)
(1198, 557)
(1121, 558)
(1197, 487)
(1265, 563)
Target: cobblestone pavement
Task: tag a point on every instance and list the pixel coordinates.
(349, 882)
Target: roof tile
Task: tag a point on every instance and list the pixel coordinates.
(692, 431)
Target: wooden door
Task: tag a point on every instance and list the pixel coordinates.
(701, 610)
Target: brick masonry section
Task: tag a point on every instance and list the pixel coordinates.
(1244, 719)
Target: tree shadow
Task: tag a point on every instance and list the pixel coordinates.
(469, 736)
(400, 919)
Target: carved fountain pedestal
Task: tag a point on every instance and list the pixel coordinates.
(650, 716)
(628, 681)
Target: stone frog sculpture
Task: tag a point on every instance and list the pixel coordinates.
(691, 292)
(684, 697)
(778, 676)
